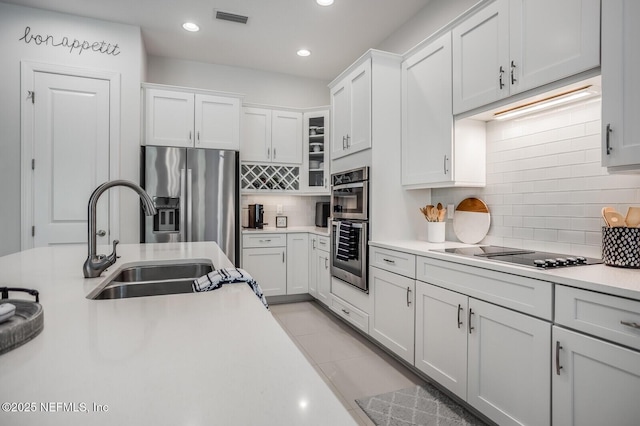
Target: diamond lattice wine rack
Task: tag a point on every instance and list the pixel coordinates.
(257, 177)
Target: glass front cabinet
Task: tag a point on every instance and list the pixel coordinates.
(316, 147)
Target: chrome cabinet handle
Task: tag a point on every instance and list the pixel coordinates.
(348, 139)
(314, 244)
(189, 135)
(101, 233)
(608, 138)
(558, 366)
(500, 72)
(393, 262)
(408, 296)
(265, 241)
(326, 263)
(445, 164)
(630, 324)
(274, 153)
(513, 67)
(322, 243)
(459, 311)
(470, 327)
(346, 312)
(325, 182)
(198, 136)
(268, 152)
(344, 142)
(282, 257)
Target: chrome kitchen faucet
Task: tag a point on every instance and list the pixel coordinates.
(97, 263)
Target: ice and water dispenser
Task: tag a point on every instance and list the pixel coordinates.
(167, 219)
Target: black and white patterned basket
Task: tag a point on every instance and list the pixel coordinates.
(621, 247)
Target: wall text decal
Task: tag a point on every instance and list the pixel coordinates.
(77, 45)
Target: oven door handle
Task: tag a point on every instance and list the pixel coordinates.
(349, 185)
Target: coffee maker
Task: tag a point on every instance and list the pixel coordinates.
(256, 216)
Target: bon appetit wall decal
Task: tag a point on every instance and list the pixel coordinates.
(75, 46)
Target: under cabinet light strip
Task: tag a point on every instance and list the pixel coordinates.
(554, 100)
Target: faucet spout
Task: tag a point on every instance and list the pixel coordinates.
(96, 264)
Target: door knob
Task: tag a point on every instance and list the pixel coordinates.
(101, 233)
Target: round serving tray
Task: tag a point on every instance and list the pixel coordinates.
(26, 324)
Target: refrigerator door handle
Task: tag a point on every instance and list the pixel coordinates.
(189, 203)
(183, 204)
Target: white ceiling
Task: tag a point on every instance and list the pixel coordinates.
(336, 35)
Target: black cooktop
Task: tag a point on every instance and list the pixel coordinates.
(531, 258)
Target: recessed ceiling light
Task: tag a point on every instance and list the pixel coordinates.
(324, 2)
(190, 26)
(303, 52)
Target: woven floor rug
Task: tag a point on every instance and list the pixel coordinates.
(418, 405)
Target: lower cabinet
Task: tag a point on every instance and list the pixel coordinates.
(268, 266)
(297, 263)
(494, 358)
(323, 276)
(392, 318)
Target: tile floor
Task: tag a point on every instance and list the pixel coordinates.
(352, 366)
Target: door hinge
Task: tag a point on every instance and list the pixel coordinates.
(33, 231)
(33, 164)
(31, 94)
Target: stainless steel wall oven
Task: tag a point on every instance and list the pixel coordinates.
(350, 227)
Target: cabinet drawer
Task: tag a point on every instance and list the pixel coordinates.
(350, 313)
(393, 261)
(609, 317)
(324, 244)
(527, 295)
(264, 240)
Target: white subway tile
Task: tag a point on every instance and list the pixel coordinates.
(574, 237)
(534, 221)
(545, 234)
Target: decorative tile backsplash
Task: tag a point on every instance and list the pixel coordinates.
(300, 210)
(545, 186)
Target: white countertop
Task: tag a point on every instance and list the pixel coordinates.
(186, 359)
(289, 230)
(602, 278)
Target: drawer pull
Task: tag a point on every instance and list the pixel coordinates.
(459, 310)
(470, 327)
(558, 366)
(323, 242)
(630, 324)
(408, 296)
(346, 312)
(265, 241)
(393, 262)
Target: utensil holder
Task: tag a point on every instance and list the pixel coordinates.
(621, 247)
(435, 232)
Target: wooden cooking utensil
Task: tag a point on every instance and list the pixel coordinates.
(604, 217)
(614, 219)
(633, 217)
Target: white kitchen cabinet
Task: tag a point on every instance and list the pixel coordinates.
(494, 358)
(392, 318)
(316, 152)
(620, 91)
(512, 46)
(313, 265)
(436, 153)
(594, 382)
(268, 266)
(298, 263)
(323, 276)
(187, 119)
(272, 136)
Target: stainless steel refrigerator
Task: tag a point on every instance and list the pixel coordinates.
(196, 193)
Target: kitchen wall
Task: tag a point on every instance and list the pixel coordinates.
(259, 87)
(300, 211)
(129, 63)
(545, 186)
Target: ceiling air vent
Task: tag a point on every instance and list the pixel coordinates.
(226, 16)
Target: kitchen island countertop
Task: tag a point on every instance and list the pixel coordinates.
(189, 359)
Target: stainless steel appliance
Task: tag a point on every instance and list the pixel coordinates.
(350, 227)
(322, 213)
(256, 216)
(196, 194)
(530, 258)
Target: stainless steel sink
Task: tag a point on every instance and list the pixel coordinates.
(151, 280)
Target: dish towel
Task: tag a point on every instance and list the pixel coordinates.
(214, 280)
(346, 242)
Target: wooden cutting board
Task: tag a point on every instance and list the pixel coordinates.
(471, 220)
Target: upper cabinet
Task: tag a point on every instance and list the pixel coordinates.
(316, 150)
(436, 153)
(188, 119)
(512, 46)
(620, 91)
(271, 136)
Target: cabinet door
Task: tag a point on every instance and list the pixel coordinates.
(313, 265)
(256, 135)
(509, 365)
(268, 267)
(620, 90)
(217, 122)
(427, 118)
(168, 118)
(323, 277)
(551, 39)
(480, 58)
(341, 123)
(359, 136)
(392, 319)
(297, 263)
(441, 336)
(286, 137)
(315, 152)
(594, 382)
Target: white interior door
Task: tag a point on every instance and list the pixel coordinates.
(71, 153)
